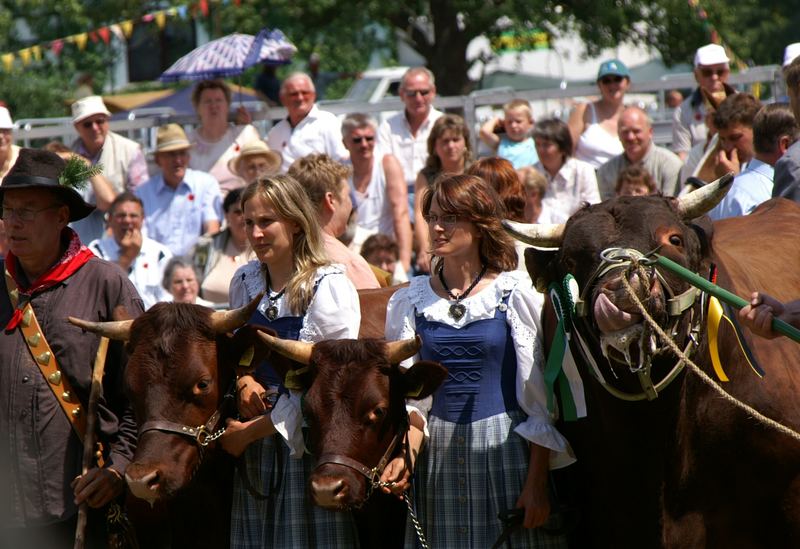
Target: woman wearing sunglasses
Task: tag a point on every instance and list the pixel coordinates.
(594, 125)
(490, 437)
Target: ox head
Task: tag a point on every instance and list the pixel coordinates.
(354, 403)
(601, 245)
(182, 359)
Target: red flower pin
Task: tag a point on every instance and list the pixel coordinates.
(190, 197)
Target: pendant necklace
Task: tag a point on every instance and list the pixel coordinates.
(272, 310)
(457, 309)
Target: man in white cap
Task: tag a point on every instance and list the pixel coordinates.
(123, 162)
(711, 71)
(8, 151)
(180, 204)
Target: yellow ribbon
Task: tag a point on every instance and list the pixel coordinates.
(715, 315)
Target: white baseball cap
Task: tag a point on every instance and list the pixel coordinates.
(791, 51)
(710, 54)
(88, 106)
(5, 119)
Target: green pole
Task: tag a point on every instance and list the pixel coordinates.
(722, 294)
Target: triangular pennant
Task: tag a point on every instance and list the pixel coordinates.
(183, 11)
(161, 19)
(127, 28)
(204, 7)
(104, 34)
(56, 46)
(93, 37)
(37, 52)
(148, 17)
(80, 40)
(8, 61)
(25, 56)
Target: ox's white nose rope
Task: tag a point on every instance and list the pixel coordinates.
(701, 374)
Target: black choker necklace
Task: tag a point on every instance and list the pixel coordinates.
(272, 310)
(457, 310)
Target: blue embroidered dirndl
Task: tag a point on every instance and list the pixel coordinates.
(474, 465)
(288, 519)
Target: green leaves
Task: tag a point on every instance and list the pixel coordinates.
(77, 173)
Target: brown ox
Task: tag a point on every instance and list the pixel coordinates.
(687, 469)
(354, 402)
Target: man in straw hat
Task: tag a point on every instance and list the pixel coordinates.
(47, 362)
(180, 204)
(254, 160)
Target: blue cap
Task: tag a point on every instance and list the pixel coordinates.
(613, 67)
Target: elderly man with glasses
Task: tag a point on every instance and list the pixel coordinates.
(711, 71)
(47, 362)
(307, 129)
(405, 135)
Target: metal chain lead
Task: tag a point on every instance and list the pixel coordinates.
(415, 521)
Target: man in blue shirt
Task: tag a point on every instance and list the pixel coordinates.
(180, 204)
(774, 130)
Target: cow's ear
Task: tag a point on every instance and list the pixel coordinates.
(245, 348)
(703, 227)
(422, 379)
(538, 261)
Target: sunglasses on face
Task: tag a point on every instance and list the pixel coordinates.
(611, 80)
(447, 220)
(414, 93)
(363, 139)
(100, 122)
(708, 73)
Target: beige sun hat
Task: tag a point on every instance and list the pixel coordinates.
(256, 148)
(88, 106)
(171, 137)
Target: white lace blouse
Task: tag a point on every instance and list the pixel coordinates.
(334, 313)
(524, 307)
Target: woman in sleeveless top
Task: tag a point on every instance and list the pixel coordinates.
(215, 141)
(307, 299)
(490, 437)
(594, 125)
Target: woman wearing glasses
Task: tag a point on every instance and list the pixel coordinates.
(594, 125)
(306, 299)
(449, 152)
(491, 441)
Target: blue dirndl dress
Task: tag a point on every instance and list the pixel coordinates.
(474, 465)
(288, 518)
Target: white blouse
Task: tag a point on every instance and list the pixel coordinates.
(334, 313)
(524, 307)
(574, 184)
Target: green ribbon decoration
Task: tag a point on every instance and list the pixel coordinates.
(553, 371)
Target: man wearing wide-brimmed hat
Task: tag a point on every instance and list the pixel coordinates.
(254, 160)
(46, 370)
(180, 204)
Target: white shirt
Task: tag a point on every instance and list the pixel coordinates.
(334, 313)
(394, 137)
(319, 132)
(147, 270)
(574, 184)
(524, 308)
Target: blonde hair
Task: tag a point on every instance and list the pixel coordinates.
(291, 203)
(519, 105)
(319, 174)
(532, 179)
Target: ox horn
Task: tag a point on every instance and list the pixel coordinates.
(536, 234)
(117, 329)
(223, 322)
(702, 200)
(398, 351)
(299, 351)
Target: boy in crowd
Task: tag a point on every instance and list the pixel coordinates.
(511, 137)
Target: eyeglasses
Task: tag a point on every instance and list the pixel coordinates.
(708, 73)
(363, 138)
(414, 93)
(447, 220)
(99, 121)
(25, 214)
(616, 79)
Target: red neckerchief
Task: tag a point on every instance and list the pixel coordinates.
(73, 259)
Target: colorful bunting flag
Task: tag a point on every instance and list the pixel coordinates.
(25, 56)
(8, 61)
(127, 28)
(105, 34)
(80, 40)
(161, 19)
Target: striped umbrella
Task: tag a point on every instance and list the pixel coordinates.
(231, 55)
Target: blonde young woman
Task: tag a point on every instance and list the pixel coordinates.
(306, 299)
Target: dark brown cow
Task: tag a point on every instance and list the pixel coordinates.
(180, 368)
(687, 469)
(355, 404)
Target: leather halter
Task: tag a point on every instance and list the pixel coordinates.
(677, 305)
(202, 434)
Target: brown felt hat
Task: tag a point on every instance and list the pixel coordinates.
(39, 169)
